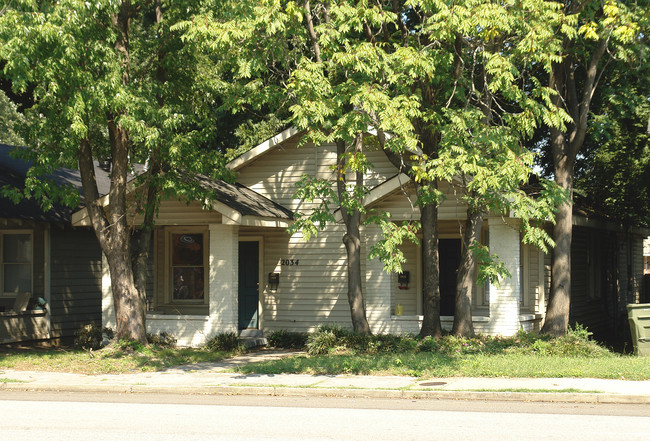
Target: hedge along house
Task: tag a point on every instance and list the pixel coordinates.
(230, 266)
(50, 272)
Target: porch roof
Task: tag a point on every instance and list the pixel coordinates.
(13, 172)
(242, 199)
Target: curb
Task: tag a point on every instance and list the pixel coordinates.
(540, 397)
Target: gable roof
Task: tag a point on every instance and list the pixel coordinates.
(243, 200)
(13, 172)
(235, 200)
(267, 146)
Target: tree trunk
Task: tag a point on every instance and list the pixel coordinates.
(129, 302)
(429, 220)
(430, 271)
(466, 278)
(352, 241)
(565, 148)
(143, 236)
(556, 322)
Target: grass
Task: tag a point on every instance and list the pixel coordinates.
(436, 365)
(110, 360)
(332, 351)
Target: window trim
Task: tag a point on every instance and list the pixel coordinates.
(168, 294)
(9, 295)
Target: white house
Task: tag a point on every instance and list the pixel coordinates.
(233, 266)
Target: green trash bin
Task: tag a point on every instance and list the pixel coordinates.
(639, 316)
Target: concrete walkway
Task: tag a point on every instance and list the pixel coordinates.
(214, 378)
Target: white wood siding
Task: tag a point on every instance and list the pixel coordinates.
(407, 297)
(313, 290)
(276, 173)
(402, 204)
(177, 212)
(534, 280)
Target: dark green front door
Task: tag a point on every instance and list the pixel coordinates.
(248, 284)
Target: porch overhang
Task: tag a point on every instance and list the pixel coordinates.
(238, 205)
(379, 192)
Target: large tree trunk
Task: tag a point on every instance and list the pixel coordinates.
(352, 241)
(466, 278)
(559, 305)
(110, 223)
(113, 233)
(430, 236)
(565, 148)
(129, 303)
(143, 236)
(430, 272)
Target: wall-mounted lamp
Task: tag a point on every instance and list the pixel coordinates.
(403, 280)
(274, 281)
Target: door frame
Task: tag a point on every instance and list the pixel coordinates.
(260, 279)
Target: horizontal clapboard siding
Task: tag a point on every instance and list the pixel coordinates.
(177, 212)
(406, 297)
(533, 273)
(277, 173)
(75, 296)
(402, 204)
(311, 292)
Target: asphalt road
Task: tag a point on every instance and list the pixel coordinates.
(67, 416)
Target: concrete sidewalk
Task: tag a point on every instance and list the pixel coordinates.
(214, 378)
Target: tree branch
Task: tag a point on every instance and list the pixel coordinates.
(312, 33)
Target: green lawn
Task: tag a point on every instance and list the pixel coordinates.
(331, 350)
(420, 364)
(467, 365)
(105, 361)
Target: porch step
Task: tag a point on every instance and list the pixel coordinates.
(250, 333)
(253, 342)
(252, 338)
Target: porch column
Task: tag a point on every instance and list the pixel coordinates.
(108, 306)
(223, 278)
(504, 298)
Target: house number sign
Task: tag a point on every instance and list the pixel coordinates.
(289, 262)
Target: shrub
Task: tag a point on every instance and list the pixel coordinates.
(162, 340)
(334, 328)
(408, 344)
(287, 340)
(128, 346)
(429, 344)
(226, 341)
(575, 343)
(89, 337)
(322, 341)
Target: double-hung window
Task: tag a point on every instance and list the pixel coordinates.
(188, 267)
(16, 262)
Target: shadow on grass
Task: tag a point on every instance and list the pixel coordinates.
(411, 364)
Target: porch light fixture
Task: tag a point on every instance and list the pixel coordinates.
(274, 281)
(403, 280)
